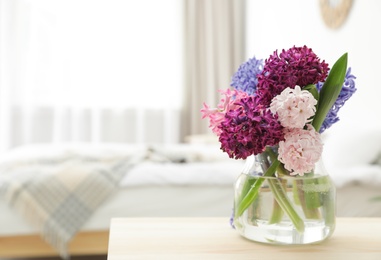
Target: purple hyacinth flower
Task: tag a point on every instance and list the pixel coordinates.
(296, 66)
(245, 78)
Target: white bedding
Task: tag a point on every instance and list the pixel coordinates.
(353, 200)
(147, 201)
(199, 183)
(345, 159)
(223, 173)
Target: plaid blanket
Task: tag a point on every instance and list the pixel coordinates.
(59, 194)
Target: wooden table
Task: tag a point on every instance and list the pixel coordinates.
(213, 238)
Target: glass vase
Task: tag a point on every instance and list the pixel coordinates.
(283, 209)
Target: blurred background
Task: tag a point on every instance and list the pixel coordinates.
(99, 71)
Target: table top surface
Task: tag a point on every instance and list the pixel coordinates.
(213, 238)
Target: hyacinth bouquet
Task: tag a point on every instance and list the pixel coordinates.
(277, 110)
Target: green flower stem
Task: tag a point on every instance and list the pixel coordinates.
(284, 202)
(329, 204)
(279, 193)
(277, 213)
(330, 217)
(310, 201)
(281, 196)
(249, 182)
(252, 194)
(312, 198)
(295, 192)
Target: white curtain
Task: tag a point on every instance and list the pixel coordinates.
(113, 70)
(214, 49)
(90, 71)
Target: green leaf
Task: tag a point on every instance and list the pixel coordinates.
(330, 90)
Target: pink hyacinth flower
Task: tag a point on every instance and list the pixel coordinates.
(294, 107)
(217, 115)
(300, 150)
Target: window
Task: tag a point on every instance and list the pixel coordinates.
(99, 53)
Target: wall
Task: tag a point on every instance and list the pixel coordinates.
(281, 24)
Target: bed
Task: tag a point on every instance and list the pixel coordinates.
(172, 180)
(183, 180)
